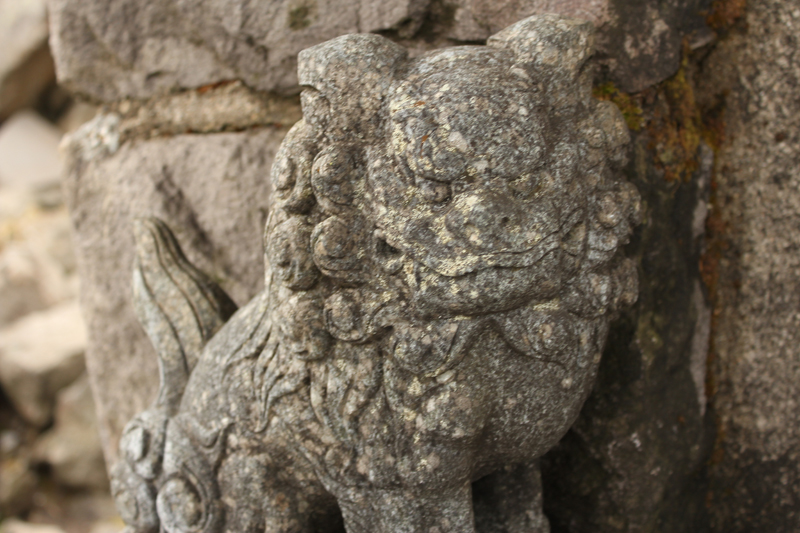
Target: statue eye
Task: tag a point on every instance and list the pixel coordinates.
(435, 191)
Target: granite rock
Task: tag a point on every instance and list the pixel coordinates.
(633, 461)
(476, 20)
(643, 42)
(227, 107)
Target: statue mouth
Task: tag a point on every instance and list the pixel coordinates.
(475, 231)
(498, 286)
(454, 258)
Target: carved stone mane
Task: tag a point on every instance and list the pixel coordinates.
(443, 261)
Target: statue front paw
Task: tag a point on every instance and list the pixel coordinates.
(134, 477)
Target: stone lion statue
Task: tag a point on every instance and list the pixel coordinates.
(443, 260)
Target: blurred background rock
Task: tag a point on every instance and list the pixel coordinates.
(52, 474)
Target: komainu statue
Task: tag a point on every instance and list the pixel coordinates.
(443, 260)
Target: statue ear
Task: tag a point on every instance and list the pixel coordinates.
(548, 43)
(553, 50)
(353, 73)
(349, 59)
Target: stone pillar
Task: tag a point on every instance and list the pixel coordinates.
(752, 77)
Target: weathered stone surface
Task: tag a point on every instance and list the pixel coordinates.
(634, 461)
(72, 447)
(26, 66)
(443, 263)
(39, 355)
(213, 187)
(112, 49)
(756, 466)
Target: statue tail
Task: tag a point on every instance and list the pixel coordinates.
(179, 306)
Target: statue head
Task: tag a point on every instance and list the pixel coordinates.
(468, 181)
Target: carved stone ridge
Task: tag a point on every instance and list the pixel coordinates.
(444, 258)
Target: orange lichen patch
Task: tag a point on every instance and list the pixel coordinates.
(211, 86)
(725, 13)
(626, 103)
(713, 127)
(709, 261)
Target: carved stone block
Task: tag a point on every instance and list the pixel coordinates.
(443, 263)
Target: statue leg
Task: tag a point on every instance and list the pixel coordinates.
(510, 500)
(260, 498)
(448, 510)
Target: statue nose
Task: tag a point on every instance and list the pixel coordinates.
(487, 220)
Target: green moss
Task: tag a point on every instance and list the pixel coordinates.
(300, 17)
(675, 127)
(648, 337)
(625, 102)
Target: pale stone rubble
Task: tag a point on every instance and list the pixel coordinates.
(48, 427)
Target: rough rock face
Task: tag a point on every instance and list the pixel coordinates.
(115, 48)
(111, 49)
(220, 219)
(755, 471)
(444, 260)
